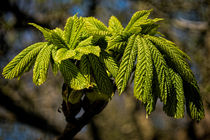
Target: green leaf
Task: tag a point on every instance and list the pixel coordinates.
(175, 105)
(85, 68)
(126, 65)
(175, 57)
(110, 63)
(80, 51)
(117, 43)
(46, 32)
(114, 25)
(143, 78)
(72, 76)
(161, 70)
(96, 27)
(23, 61)
(57, 40)
(41, 65)
(63, 54)
(77, 31)
(194, 102)
(103, 82)
(86, 42)
(137, 17)
(68, 28)
(54, 64)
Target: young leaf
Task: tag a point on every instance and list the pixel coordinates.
(143, 79)
(46, 32)
(175, 105)
(144, 71)
(41, 65)
(126, 66)
(194, 103)
(114, 25)
(175, 57)
(22, 61)
(85, 67)
(54, 64)
(161, 69)
(102, 80)
(110, 63)
(72, 76)
(96, 27)
(57, 40)
(63, 54)
(137, 17)
(80, 51)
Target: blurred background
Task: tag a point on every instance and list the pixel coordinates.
(30, 112)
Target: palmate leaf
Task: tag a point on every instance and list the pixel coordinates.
(126, 66)
(175, 105)
(41, 65)
(103, 82)
(72, 76)
(23, 61)
(144, 75)
(175, 57)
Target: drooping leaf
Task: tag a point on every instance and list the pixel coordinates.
(161, 69)
(41, 65)
(175, 105)
(22, 61)
(175, 57)
(144, 75)
(126, 66)
(194, 104)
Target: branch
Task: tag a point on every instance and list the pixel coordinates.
(74, 125)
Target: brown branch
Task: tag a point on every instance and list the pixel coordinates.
(74, 125)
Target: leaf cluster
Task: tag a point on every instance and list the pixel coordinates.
(91, 55)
